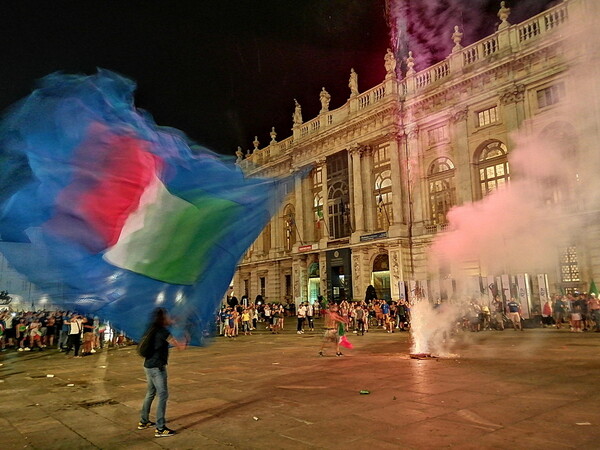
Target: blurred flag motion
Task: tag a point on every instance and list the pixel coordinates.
(123, 214)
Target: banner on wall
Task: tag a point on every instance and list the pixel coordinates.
(543, 288)
(524, 294)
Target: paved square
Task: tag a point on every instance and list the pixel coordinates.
(532, 389)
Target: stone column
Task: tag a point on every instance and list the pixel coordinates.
(357, 190)
(396, 271)
(462, 157)
(277, 232)
(368, 181)
(323, 273)
(413, 175)
(299, 210)
(513, 110)
(325, 225)
(397, 203)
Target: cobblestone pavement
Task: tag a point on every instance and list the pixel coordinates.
(532, 389)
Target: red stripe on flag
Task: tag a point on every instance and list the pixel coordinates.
(111, 174)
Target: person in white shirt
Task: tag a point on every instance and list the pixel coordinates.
(301, 316)
(74, 338)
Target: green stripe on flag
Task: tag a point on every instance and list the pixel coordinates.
(176, 237)
(593, 289)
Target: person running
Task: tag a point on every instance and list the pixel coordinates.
(331, 335)
(155, 367)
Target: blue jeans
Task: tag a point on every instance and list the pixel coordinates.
(157, 384)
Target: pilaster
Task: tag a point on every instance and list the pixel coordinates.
(357, 190)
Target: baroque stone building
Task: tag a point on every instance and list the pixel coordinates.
(390, 163)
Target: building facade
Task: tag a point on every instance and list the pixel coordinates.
(389, 164)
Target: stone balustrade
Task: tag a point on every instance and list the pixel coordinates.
(509, 38)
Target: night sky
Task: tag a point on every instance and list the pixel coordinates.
(223, 71)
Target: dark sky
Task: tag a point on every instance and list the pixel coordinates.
(220, 70)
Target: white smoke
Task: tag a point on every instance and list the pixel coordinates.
(551, 201)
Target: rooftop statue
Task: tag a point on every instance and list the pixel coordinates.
(297, 116)
(353, 83)
(390, 62)
(325, 98)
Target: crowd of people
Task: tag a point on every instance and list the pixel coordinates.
(578, 312)
(80, 335)
(235, 319)
(65, 331)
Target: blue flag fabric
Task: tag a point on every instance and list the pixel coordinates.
(110, 215)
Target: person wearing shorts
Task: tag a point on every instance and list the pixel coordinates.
(331, 335)
(514, 313)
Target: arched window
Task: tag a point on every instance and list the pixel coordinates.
(442, 192)
(492, 164)
(289, 223)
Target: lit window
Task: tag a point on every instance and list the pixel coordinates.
(550, 95)
(569, 266)
(441, 189)
(493, 167)
(383, 199)
(382, 188)
(487, 116)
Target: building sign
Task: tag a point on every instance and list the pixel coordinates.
(307, 248)
(374, 236)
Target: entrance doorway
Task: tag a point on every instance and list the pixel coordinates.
(380, 278)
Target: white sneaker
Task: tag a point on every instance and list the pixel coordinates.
(298, 332)
(27, 349)
(20, 349)
(92, 351)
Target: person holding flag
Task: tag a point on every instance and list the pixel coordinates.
(334, 325)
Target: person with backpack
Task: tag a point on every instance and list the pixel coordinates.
(154, 347)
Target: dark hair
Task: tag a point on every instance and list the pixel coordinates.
(158, 318)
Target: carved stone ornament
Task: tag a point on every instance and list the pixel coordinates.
(460, 115)
(503, 14)
(456, 38)
(395, 265)
(356, 269)
(513, 94)
(412, 132)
